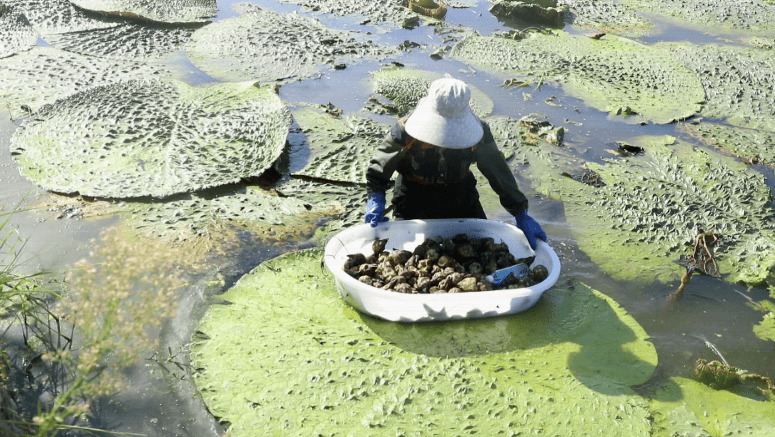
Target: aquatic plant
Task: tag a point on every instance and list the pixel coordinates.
(16, 34)
(607, 16)
(43, 75)
(613, 74)
(177, 11)
(157, 137)
(564, 366)
(751, 145)
(75, 342)
(391, 12)
(265, 46)
(654, 204)
(340, 148)
(113, 302)
(738, 82)
(397, 91)
(719, 15)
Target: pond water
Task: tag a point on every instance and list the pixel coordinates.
(163, 401)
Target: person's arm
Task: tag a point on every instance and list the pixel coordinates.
(385, 161)
(378, 175)
(493, 166)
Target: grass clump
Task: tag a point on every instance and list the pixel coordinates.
(65, 344)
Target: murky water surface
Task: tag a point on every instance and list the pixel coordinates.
(163, 399)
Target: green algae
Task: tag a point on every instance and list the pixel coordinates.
(404, 87)
(156, 137)
(170, 11)
(738, 82)
(42, 75)
(16, 34)
(613, 74)
(265, 46)
(653, 205)
(565, 366)
(341, 147)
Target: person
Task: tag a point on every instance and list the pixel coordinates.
(432, 150)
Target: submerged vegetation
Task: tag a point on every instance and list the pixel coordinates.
(67, 344)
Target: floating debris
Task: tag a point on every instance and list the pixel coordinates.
(701, 260)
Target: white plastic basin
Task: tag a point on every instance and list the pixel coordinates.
(407, 234)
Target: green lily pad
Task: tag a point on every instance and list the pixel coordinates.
(752, 145)
(653, 205)
(738, 81)
(312, 365)
(178, 11)
(68, 28)
(387, 11)
(56, 16)
(262, 45)
(16, 34)
(125, 41)
(152, 138)
(341, 148)
(607, 16)
(612, 74)
(404, 87)
(751, 16)
(689, 408)
(291, 209)
(43, 75)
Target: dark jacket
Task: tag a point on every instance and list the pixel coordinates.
(423, 165)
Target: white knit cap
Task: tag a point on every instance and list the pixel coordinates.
(444, 118)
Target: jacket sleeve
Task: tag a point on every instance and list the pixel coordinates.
(385, 161)
(493, 166)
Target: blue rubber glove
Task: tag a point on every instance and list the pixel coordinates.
(530, 228)
(374, 209)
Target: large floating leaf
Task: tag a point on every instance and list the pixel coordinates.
(170, 11)
(613, 74)
(127, 41)
(292, 209)
(753, 16)
(739, 82)
(312, 365)
(341, 148)
(265, 46)
(385, 11)
(152, 138)
(70, 29)
(606, 15)
(685, 407)
(653, 205)
(56, 16)
(404, 87)
(16, 34)
(43, 75)
(752, 145)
